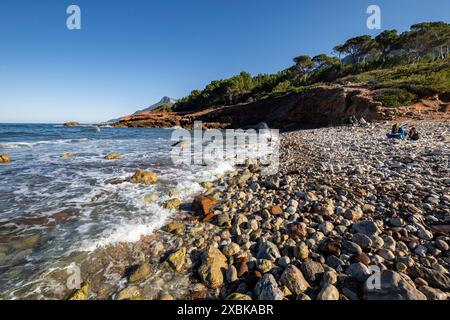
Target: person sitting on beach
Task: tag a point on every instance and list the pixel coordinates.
(413, 134)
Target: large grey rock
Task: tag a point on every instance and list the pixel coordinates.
(367, 227)
(393, 286)
(358, 271)
(268, 250)
(267, 288)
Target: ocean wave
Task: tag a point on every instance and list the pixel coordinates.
(15, 145)
(127, 230)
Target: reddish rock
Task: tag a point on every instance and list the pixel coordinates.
(296, 230)
(203, 204)
(252, 278)
(332, 247)
(242, 267)
(277, 210)
(363, 258)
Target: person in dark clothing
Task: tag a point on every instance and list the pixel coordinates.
(413, 134)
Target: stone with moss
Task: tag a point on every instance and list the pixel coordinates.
(113, 156)
(238, 296)
(172, 204)
(129, 293)
(176, 259)
(82, 293)
(4, 158)
(140, 274)
(144, 177)
(207, 185)
(68, 155)
(175, 228)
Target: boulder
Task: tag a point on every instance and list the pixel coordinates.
(176, 259)
(140, 274)
(294, 280)
(393, 286)
(172, 204)
(4, 158)
(267, 288)
(129, 293)
(268, 250)
(82, 293)
(231, 249)
(144, 177)
(175, 228)
(359, 271)
(71, 124)
(207, 185)
(435, 278)
(328, 292)
(113, 156)
(432, 293)
(296, 230)
(367, 227)
(214, 263)
(312, 270)
(203, 204)
(66, 155)
(152, 197)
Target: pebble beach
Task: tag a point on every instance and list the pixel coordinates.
(351, 215)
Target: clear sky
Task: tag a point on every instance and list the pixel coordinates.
(130, 53)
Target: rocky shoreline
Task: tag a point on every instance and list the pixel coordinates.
(346, 202)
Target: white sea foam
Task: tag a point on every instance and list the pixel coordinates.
(15, 145)
(128, 231)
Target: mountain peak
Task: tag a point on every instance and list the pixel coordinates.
(165, 100)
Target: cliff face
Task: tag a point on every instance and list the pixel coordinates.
(318, 106)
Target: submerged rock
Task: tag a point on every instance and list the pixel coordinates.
(67, 155)
(144, 177)
(113, 156)
(207, 185)
(4, 158)
(152, 197)
(172, 204)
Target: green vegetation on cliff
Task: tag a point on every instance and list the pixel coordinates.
(390, 61)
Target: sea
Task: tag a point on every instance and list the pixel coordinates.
(52, 206)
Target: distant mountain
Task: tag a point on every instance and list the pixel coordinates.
(165, 100)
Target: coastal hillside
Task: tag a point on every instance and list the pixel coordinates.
(391, 75)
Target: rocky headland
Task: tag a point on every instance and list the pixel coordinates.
(318, 106)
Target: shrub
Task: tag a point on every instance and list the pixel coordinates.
(393, 98)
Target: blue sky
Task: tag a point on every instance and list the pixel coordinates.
(130, 53)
